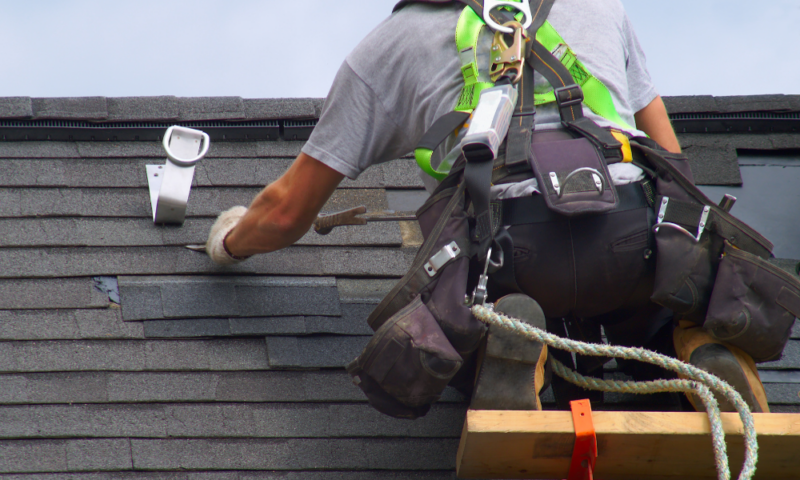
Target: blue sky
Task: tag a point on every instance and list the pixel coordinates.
(267, 48)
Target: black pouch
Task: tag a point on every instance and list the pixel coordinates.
(440, 272)
(690, 235)
(685, 271)
(572, 175)
(407, 364)
(754, 305)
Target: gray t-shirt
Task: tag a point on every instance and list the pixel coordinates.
(406, 73)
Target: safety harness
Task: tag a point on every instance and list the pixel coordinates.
(539, 44)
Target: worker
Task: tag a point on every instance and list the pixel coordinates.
(406, 74)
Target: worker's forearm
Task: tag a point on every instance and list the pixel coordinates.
(654, 121)
(265, 227)
(284, 211)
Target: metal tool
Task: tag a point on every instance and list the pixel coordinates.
(171, 183)
(508, 60)
(727, 202)
(327, 222)
(523, 7)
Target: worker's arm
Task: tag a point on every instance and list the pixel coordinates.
(654, 121)
(282, 213)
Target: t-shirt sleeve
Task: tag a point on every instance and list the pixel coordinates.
(641, 90)
(354, 130)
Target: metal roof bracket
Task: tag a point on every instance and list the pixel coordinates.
(171, 183)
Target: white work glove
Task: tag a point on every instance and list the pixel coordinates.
(215, 248)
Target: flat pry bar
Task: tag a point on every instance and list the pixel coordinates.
(325, 223)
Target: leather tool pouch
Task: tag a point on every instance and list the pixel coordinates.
(685, 272)
(711, 268)
(572, 175)
(407, 364)
(754, 304)
(424, 331)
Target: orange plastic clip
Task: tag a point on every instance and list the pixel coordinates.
(584, 454)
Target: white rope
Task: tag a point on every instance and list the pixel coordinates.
(699, 382)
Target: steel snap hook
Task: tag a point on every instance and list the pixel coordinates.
(507, 58)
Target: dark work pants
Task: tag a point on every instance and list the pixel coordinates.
(589, 271)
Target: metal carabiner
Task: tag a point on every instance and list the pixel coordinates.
(523, 6)
(479, 295)
(507, 58)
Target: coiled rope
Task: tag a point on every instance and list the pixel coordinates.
(699, 382)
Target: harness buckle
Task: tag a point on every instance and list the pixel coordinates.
(568, 96)
(507, 58)
(524, 6)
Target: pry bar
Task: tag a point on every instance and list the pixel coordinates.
(324, 224)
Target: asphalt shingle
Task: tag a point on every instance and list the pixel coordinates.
(67, 324)
(783, 393)
(280, 108)
(110, 261)
(714, 165)
(51, 293)
(291, 454)
(196, 327)
(132, 355)
(182, 386)
(65, 455)
(691, 104)
(194, 296)
(323, 351)
(754, 103)
(16, 107)
(117, 173)
(211, 108)
(70, 108)
(138, 109)
(790, 359)
(222, 420)
(364, 291)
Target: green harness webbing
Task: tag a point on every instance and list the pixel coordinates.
(596, 95)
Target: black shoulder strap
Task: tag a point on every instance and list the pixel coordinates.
(518, 145)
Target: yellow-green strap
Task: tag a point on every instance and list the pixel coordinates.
(468, 32)
(595, 94)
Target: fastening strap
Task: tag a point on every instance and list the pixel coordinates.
(584, 453)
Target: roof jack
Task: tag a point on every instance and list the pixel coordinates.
(170, 183)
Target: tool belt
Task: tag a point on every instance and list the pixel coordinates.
(713, 269)
(425, 331)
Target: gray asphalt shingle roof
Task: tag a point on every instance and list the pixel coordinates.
(226, 373)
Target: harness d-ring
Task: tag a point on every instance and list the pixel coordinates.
(522, 6)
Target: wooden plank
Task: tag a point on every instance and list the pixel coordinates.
(631, 445)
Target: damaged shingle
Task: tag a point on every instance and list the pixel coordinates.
(108, 285)
(186, 297)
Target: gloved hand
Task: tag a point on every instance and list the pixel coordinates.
(221, 228)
